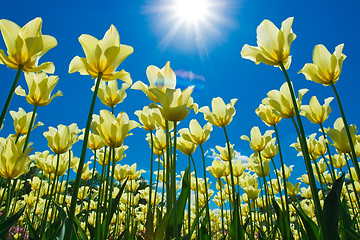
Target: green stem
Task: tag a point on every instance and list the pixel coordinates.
(196, 197)
(353, 154)
(329, 154)
(8, 199)
(69, 227)
(230, 165)
(206, 192)
(173, 183)
(30, 127)
(11, 93)
(189, 200)
(305, 151)
(91, 191)
(151, 170)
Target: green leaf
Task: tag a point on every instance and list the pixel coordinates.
(312, 230)
(204, 233)
(282, 222)
(61, 221)
(10, 221)
(331, 210)
(236, 230)
(33, 233)
(149, 225)
(78, 229)
(351, 233)
(346, 224)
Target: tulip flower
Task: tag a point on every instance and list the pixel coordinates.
(14, 162)
(102, 56)
(338, 160)
(258, 142)
(175, 104)
(271, 149)
(339, 136)
(60, 140)
(186, 147)
(266, 113)
(146, 118)
(224, 154)
(315, 112)
(112, 131)
(40, 87)
(281, 101)
(217, 169)
(94, 142)
(326, 68)
(49, 164)
(252, 192)
(273, 44)
(287, 171)
(103, 157)
(22, 121)
(160, 79)
(195, 133)
(292, 190)
(109, 93)
(222, 114)
(25, 46)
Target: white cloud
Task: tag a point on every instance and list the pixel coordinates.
(238, 156)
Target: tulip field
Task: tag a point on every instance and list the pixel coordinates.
(65, 194)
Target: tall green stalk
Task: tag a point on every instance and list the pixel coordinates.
(353, 154)
(173, 184)
(11, 93)
(151, 169)
(76, 186)
(30, 127)
(305, 151)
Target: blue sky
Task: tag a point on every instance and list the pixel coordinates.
(214, 58)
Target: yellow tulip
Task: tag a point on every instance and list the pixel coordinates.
(86, 172)
(109, 93)
(133, 174)
(281, 101)
(160, 79)
(315, 112)
(48, 165)
(338, 161)
(159, 140)
(252, 192)
(311, 145)
(146, 118)
(25, 46)
(224, 154)
(60, 140)
(222, 114)
(304, 178)
(14, 162)
(291, 189)
(102, 56)
(175, 104)
(288, 171)
(217, 169)
(271, 149)
(94, 142)
(326, 68)
(112, 131)
(185, 146)
(339, 136)
(103, 158)
(195, 133)
(22, 121)
(258, 142)
(238, 168)
(121, 172)
(266, 113)
(273, 44)
(40, 87)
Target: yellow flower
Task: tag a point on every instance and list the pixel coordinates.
(338, 160)
(102, 56)
(217, 169)
(258, 142)
(195, 133)
(326, 68)
(22, 121)
(281, 101)
(186, 147)
(315, 112)
(311, 145)
(160, 79)
(339, 136)
(60, 140)
(40, 87)
(222, 114)
(224, 153)
(252, 192)
(238, 168)
(175, 104)
(133, 174)
(273, 44)
(159, 140)
(146, 117)
(266, 113)
(291, 189)
(25, 46)
(288, 171)
(112, 131)
(94, 142)
(48, 165)
(103, 156)
(13, 161)
(271, 149)
(109, 94)
(86, 172)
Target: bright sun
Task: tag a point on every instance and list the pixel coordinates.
(191, 11)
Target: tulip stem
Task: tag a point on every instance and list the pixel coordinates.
(206, 193)
(76, 186)
(196, 197)
(8, 198)
(11, 93)
(328, 150)
(151, 170)
(353, 154)
(305, 151)
(30, 126)
(173, 184)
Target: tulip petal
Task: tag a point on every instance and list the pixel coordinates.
(9, 31)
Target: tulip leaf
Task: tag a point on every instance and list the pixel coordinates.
(33, 233)
(9, 222)
(236, 230)
(346, 224)
(60, 223)
(331, 210)
(149, 224)
(78, 229)
(282, 222)
(312, 230)
(204, 233)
